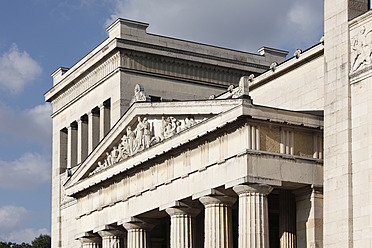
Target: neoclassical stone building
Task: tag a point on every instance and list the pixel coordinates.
(160, 142)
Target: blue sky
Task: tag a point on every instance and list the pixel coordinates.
(38, 36)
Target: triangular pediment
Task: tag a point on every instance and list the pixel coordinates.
(143, 126)
(169, 125)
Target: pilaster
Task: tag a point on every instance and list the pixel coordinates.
(309, 217)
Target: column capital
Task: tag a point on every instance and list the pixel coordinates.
(85, 238)
(72, 125)
(107, 231)
(93, 112)
(217, 199)
(182, 210)
(135, 223)
(82, 119)
(253, 188)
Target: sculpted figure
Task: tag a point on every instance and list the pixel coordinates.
(189, 122)
(100, 165)
(174, 126)
(164, 124)
(361, 49)
(131, 139)
(139, 135)
(146, 132)
(139, 94)
(179, 128)
(108, 159)
(124, 149)
(114, 155)
(171, 127)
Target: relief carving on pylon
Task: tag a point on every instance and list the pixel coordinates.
(142, 137)
(361, 49)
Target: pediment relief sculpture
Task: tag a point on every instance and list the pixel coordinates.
(361, 49)
(144, 135)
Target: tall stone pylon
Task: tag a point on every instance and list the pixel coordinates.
(339, 194)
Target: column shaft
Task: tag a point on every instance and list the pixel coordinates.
(287, 219)
(111, 242)
(111, 238)
(137, 238)
(137, 234)
(218, 221)
(93, 130)
(182, 229)
(71, 146)
(82, 140)
(104, 118)
(253, 215)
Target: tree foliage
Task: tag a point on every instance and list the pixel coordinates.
(43, 241)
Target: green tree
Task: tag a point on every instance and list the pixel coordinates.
(43, 241)
(14, 245)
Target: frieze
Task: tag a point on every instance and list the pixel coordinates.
(177, 68)
(87, 81)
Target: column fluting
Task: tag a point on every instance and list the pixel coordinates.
(111, 238)
(137, 236)
(218, 221)
(253, 215)
(182, 228)
(287, 219)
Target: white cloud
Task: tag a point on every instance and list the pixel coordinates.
(27, 125)
(17, 68)
(11, 217)
(24, 235)
(29, 171)
(239, 24)
(12, 225)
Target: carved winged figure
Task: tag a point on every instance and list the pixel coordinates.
(361, 49)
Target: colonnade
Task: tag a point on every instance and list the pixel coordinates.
(253, 223)
(80, 137)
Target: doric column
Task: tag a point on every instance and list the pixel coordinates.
(104, 120)
(137, 236)
(93, 129)
(71, 145)
(182, 226)
(218, 221)
(287, 219)
(253, 215)
(82, 139)
(89, 240)
(112, 238)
